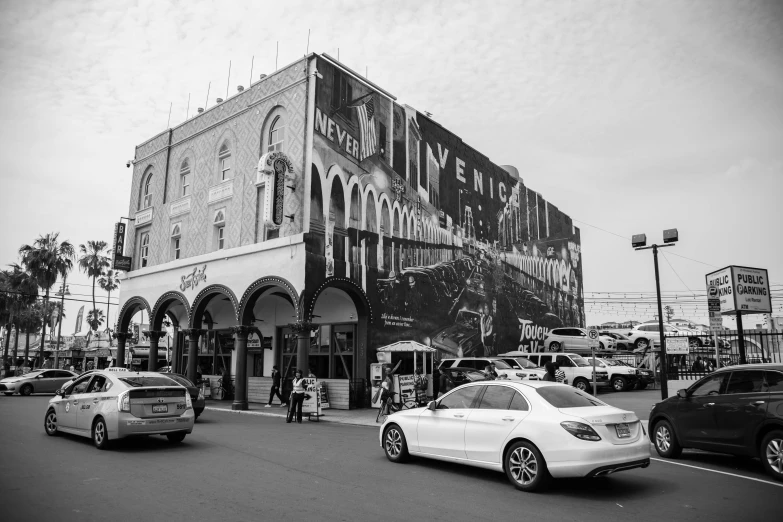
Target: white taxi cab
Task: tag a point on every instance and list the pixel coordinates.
(111, 404)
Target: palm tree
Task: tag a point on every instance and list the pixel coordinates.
(5, 309)
(22, 292)
(45, 260)
(109, 283)
(30, 322)
(92, 261)
(95, 317)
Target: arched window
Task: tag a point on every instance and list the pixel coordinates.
(146, 193)
(184, 177)
(145, 249)
(224, 157)
(276, 135)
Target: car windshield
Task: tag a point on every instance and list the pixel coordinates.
(468, 319)
(612, 362)
(526, 363)
(579, 360)
(143, 380)
(512, 363)
(567, 397)
(501, 365)
(182, 380)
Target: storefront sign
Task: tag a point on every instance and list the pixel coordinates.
(338, 136)
(406, 389)
(253, 342)
(193, 279)
(677, 345)
(119, 239)
(275, 168)
(741, 289)
(122, 263)
(310, 404)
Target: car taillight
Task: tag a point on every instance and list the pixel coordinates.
(123, 402)
(188, 402)
(580, 430)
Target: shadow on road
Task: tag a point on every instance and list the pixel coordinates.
(722, 462)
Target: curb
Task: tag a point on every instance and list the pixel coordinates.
(265, 414)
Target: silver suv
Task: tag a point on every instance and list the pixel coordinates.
(574, 339)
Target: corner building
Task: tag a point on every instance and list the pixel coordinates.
(311, 219)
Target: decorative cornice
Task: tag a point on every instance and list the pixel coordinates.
(154, 335)
(242, 331)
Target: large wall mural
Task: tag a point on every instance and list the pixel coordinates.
(451, 250)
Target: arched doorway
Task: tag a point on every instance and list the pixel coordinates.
(170, 314)
(214, 311)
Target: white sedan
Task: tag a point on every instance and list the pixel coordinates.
(106, 405)
(530, 430)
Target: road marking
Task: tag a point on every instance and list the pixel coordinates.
(721, 472)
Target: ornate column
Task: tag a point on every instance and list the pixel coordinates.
(176, 352)
(240, 349)
(302, 329)
(192, 335)
(154, 336)
(122, 338)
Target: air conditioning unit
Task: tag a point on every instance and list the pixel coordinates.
(176, 230)
(220, 217)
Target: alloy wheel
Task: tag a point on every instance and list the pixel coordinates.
(51, 423)
(393, 443)
(100, 433)
(523, 465)
(774, 454)
(663, 439)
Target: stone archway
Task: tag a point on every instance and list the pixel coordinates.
(174, 305)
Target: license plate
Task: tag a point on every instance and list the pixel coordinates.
(160, 408)
(623, 431)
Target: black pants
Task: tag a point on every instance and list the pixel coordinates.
(295, 405)
(275, 391)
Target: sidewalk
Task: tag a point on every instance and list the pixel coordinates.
(639, 402)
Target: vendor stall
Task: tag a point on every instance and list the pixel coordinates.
(413, 365)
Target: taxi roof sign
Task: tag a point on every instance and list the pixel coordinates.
(117, 369)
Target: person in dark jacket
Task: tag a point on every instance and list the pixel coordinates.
(550, 373)
(275, 388)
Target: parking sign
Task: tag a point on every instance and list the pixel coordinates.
(592, 338)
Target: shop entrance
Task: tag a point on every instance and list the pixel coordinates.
(331, 354)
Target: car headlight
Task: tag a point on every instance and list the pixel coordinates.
(580, 430)
(123, 402)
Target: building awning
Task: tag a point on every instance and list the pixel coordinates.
(407, 346)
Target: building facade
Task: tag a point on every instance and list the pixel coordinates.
(311, 219)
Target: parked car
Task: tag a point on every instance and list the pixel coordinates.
(736, 410)
(38, 381)
(479, 363)
(571, 339)
(578, 372)
(533, 431)
(524, 365)
(457, 376)
(621, 376)
(196, 395)
(645, 335)
(621, 341)
(111, 404)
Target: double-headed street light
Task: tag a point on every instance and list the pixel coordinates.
(62, 292)
(639, 242)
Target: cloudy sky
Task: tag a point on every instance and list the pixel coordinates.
(632, 117)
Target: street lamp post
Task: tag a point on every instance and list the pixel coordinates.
(62, 293)
(638, 242)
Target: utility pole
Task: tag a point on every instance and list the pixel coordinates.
(63, 291)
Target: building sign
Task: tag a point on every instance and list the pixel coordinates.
(310, 403)
(122, 263)
(119, 238)
(79, 317)
(741, 289)
(192, 279)
(275, 168)
(336, 135)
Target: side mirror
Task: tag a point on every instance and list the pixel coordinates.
(432, 406)
(682, 394)
(60, 393)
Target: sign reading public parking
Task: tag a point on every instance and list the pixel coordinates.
(592, 338)
(741, 289)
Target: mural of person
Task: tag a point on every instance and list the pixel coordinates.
(412, 297)
(487, 331)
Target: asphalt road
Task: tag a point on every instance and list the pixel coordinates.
(243, 467)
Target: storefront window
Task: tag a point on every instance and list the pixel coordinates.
(343, 341)
(331, 353)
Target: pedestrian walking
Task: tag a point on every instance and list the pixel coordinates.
(550, 373)
(275, 388)
(297, 398)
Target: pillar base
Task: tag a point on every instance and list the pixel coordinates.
(239, 405)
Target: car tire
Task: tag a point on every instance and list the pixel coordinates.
(176, 438)
(619, 383)
(50, 423)
(580, 383)
(554, 346)
(525, 467)
(394, 444)
(641, 385)
(771, 453)
(665, 440)
(26, 390)
(100, 434)
(641, 343)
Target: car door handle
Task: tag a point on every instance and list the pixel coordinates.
(508, 418)
(459, 415)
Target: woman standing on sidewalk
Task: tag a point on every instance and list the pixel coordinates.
(297, 398)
